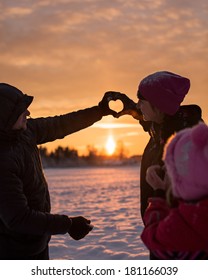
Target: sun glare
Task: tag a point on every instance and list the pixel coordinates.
(110, 145)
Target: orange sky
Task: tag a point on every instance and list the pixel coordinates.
(68, 53)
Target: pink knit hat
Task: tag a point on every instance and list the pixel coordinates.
(164, 90)
(186, 160)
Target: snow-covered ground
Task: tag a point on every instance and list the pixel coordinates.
(107, 196)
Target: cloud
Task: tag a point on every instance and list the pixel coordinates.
(115, 125)
(17, 12)
(100, 44)
(97, 31)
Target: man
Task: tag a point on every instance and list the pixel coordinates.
(26, 223)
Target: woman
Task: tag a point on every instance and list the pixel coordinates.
(159, 112)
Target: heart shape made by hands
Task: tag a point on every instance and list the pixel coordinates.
(116, 105)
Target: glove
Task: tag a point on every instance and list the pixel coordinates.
(104, 103)
(130, 108)
(79, 228)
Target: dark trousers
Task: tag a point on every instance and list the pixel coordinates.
(44, 255)
(152, 256)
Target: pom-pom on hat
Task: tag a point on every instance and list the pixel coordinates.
(186, 160)
(164, 90)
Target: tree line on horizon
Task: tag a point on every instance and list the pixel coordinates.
(69, 157)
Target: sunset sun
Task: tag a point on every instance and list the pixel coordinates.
(110, 145)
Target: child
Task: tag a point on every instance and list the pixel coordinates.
(176, 227)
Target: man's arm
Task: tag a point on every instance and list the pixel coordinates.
(57, 127)
(15, 212)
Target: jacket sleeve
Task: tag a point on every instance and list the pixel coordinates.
(166, 229)
(15, 213)
(156, 211)
(57, 127)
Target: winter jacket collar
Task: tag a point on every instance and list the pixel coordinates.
(10, 136)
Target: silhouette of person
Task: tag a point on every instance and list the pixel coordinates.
(26, 224)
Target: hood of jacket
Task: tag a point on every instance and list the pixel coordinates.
(13, 103)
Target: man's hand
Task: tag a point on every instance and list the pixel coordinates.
(80, 227)
(104, 104)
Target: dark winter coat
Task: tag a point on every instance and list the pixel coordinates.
(187, 116)
(176, 233)
(25, 220)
